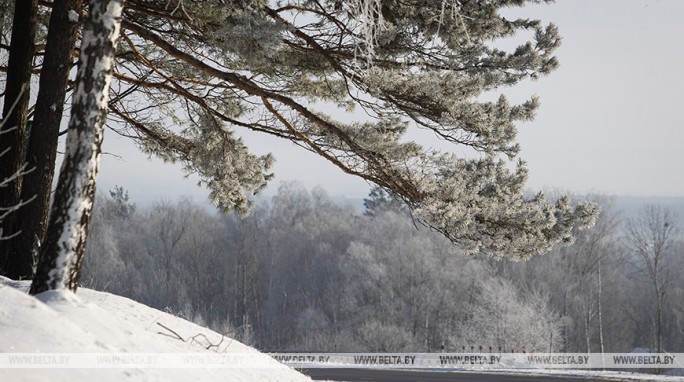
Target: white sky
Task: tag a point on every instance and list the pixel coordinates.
(610, 119)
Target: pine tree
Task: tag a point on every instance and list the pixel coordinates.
(379, 201)
(42, 142)
(406, 64)
(14, 128)
(211, 68)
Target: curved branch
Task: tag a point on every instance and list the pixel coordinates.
(386, 176)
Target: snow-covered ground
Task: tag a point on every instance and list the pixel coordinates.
(57, 333)
(90, 322)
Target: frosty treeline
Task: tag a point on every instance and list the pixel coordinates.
(303, 272)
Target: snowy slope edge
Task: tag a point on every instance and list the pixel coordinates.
(98, 322)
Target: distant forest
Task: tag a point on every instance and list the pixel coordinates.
(304, 272)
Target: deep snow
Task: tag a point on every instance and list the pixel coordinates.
(98, 322)
(92, 322)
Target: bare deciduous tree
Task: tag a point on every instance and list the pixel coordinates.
(651, 237)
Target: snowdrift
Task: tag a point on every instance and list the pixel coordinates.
(103, 323)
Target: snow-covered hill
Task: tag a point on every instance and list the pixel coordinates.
(92, 322)
(88, 324)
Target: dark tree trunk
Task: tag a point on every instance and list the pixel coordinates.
(42, 148)
(14, 115)
(59, 264)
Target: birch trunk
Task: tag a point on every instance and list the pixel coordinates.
(61, 257)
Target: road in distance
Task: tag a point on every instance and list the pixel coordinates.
(389, 375)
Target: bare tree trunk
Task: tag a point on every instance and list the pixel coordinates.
(61, 257)
(42, 141)
(13, 133)
(587, 326)
(659, 323)
(600, 307)
(566, 324)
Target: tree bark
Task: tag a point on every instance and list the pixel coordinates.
(15, 116)
(659, 325)
(59, 264)
(600, 310)
(42, 142)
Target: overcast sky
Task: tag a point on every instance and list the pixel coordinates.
(611, 117)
